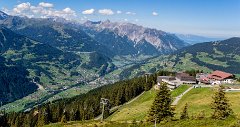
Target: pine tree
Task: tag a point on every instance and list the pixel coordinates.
(43, 118)
(221, 105)
(161, 108)
(3, 120)
(184, 113)
(63, 119)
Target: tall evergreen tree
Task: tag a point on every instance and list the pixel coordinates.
(221, 105)
(3, 120)
(184, 113)
(43, 118)
(63, 119)
(161, 108)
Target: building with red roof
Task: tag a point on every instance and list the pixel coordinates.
(220, 75)
(216, 77)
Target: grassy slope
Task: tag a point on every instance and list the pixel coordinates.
(198, 100)
(179, 90)
(137, 110)
(230, 122)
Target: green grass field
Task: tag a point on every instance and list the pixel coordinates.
(179, 90)
(199, 100)
(137, 110)
(207, 122)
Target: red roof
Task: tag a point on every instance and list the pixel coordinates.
(220, 75)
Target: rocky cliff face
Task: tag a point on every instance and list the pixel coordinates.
(3, 15)
(139, 36)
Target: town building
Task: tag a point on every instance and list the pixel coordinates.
(174, 82)
(169, 80)
(216, 78)
(185, 78)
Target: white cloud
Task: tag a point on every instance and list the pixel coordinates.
(136, 20)
(47, 5)
(130, 13)
(154, 13)
(106, 12)
(69, 11)
(65, 13)
(88, 12)
(36, 10)
(43, 10)
(126, 20)
(22, 7)
(119, 12)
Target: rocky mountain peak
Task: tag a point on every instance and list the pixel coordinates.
(3, 15)
(138, 35)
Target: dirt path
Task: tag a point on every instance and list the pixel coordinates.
(180, 96)
(40, 87)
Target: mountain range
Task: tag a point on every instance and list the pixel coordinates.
(208, 56)
(194, 39)
(137, 39)
(59, 54)
(53, 49)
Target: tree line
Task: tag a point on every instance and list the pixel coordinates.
(82, 107)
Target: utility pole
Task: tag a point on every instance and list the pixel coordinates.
(146, 75)
(104, 103)
(155, 125)
(155, 122)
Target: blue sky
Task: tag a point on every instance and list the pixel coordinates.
(216, 18)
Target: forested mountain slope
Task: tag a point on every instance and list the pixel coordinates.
(14, 81)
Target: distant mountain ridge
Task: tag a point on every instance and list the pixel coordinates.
(208, 56)
(217, 55)
(193, 39)
(3, 15)
(138, 37)
(108, 38)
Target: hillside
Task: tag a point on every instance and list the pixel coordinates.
(82, 107)
(62, 56)
(218, 55)
(138, 109)
(35, 56)
(107, 38)
(51, 68)
(198, 99)
(60, 34)
(14, 82)
(231, 122)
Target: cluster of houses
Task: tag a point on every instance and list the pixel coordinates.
(215, 78)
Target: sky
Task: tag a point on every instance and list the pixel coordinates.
(212, 18)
